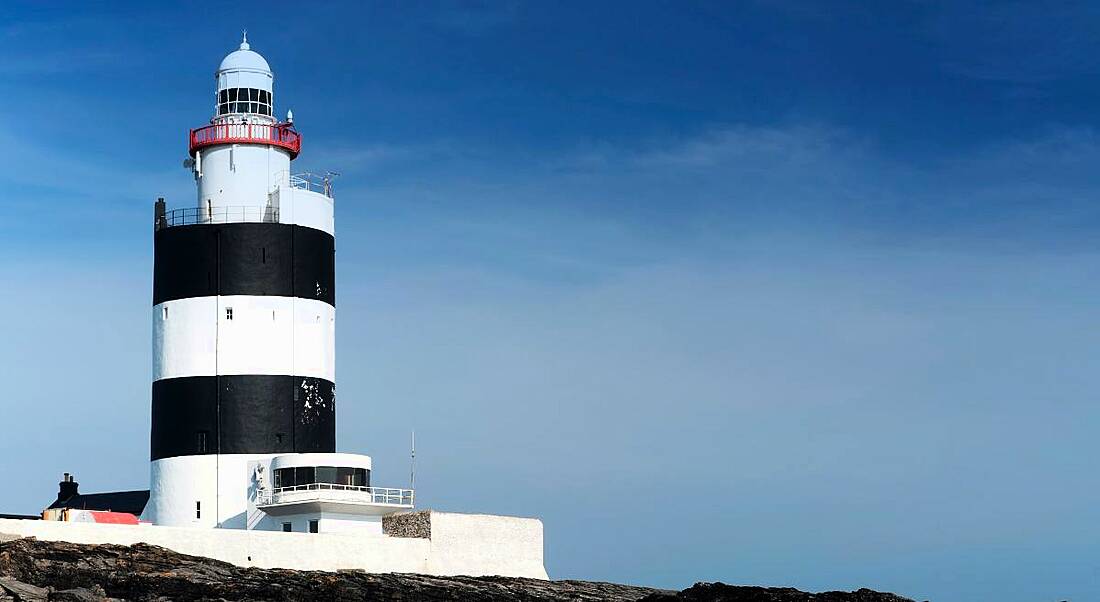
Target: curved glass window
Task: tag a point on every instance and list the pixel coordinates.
(332, 475)
(244, 100)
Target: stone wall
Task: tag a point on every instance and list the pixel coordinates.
(408, 524)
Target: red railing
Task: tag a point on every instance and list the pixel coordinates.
(279, 134)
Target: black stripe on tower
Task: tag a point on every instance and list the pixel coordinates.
(247, 414)
(262, 259)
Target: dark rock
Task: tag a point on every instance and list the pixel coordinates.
(79, 594)
(720, 592)
(46, 571)
(22, 592)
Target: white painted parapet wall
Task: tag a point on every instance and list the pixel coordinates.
(460, 544)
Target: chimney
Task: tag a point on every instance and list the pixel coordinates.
(159, 212)
(66, 488)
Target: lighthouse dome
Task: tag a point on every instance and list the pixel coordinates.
(244, 83)
(244, 59)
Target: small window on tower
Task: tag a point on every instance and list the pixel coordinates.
(200, 442)
(164, 312)
(198, 509)
(229, 313)
(313, 524)
(288, 527)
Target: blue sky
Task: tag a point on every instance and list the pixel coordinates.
(782, 293)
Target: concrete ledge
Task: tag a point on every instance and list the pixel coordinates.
(460, 544)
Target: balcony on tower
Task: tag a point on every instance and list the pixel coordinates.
(306, 199)
(281, 135)
(321, 493)
(397, 499)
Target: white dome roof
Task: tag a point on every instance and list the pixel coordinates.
(244, 59)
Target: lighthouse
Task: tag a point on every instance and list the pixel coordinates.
(243, 430)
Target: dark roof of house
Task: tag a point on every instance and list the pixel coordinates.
(21, 516)
(114, 501)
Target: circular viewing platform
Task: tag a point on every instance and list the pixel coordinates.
(279, 134)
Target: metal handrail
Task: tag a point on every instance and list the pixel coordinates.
(279, 134)
(375, 495)
(312, 182)
(220, 215)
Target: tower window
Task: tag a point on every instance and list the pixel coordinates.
(200, 443)
(164, 311)
(229, 313)
(198, 509)
(288, 527)
(313, 526)
(244, 100)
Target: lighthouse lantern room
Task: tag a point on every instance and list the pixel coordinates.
(244, 311)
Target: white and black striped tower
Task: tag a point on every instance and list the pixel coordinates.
(243, 310)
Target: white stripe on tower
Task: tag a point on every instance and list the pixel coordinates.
(251, 335)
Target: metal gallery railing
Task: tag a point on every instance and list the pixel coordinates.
(335, 492)
(218, 215)
(319, 183)
(278, 134)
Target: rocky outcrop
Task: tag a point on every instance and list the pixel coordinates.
(40, 571)
(720, 592)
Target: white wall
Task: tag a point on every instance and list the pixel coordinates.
(306, 208)
(461, 544)
(267, 335)
(236, 175)
(222, 483)
(501, 545)
(327, 522)
(335, 522)
(176, 484)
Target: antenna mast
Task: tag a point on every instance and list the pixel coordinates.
(412, 462)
